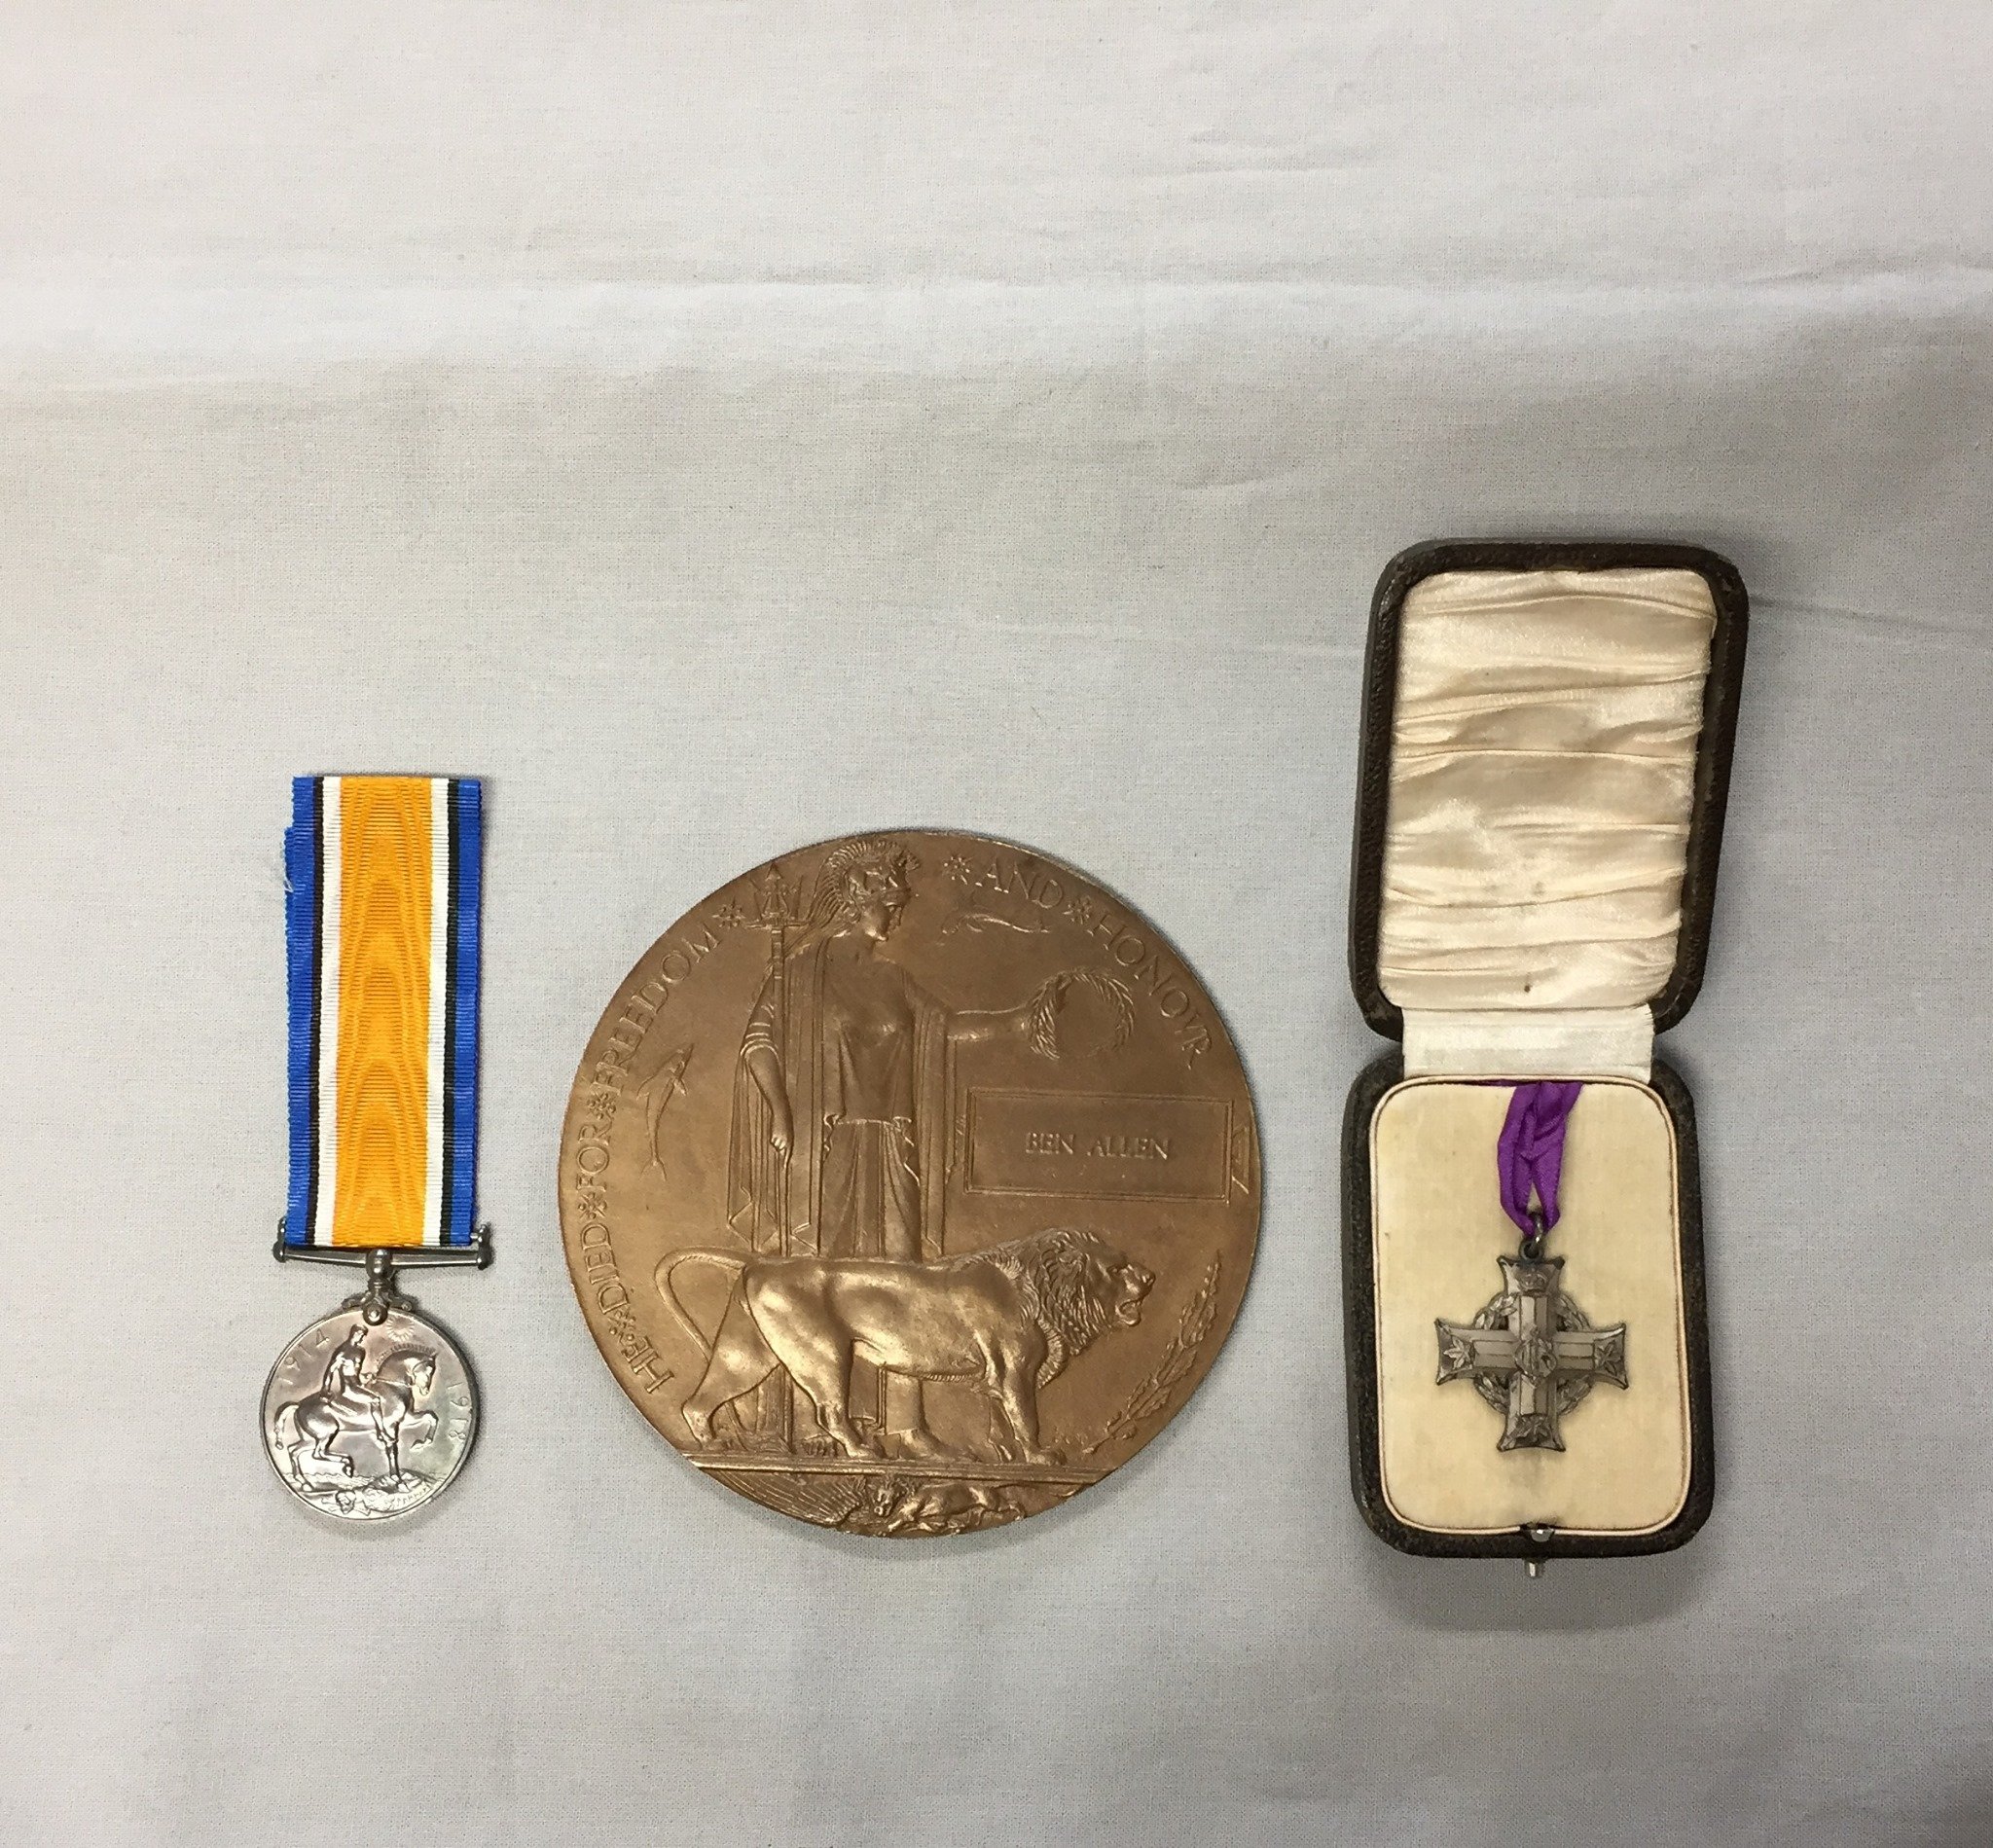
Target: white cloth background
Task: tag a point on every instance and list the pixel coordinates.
(725, 425)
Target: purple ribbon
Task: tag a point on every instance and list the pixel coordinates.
(1529, 1158)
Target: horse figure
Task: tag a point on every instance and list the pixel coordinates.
(383, 1404)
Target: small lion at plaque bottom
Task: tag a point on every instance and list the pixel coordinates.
(1008, 1320)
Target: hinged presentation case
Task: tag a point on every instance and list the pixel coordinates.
(1540, 802)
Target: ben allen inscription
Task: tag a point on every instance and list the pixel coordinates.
(1098, 1147)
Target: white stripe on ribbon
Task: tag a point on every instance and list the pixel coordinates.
(328, 1009)
(439, 1002)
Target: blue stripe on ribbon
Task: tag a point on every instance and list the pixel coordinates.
(300, 945)
(467, 888)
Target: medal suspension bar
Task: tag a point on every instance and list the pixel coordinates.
(382, 1261)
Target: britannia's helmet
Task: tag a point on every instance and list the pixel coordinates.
(854, 870)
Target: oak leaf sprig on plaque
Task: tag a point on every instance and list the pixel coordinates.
(1147, 1398)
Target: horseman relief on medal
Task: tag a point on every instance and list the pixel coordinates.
(368, 1421)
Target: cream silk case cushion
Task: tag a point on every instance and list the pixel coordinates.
(1437, 1229)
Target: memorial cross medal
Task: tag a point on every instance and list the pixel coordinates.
(1530, 1352)
(371, 1411)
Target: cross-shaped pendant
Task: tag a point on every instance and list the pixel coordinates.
(1530, 1352)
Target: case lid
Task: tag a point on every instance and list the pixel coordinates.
(1545, 755)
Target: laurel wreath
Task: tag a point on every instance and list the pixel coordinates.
(1044, 1011)
(1179, 1357)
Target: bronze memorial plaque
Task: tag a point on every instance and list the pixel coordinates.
(910, 1183)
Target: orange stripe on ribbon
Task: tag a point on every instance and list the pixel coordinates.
(384, 1011)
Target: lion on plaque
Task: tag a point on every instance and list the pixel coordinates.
(1008, 1320)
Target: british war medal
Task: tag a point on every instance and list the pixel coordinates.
(371, 1411)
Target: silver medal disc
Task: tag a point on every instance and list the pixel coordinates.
(365, 1421)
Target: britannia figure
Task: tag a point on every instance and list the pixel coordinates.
(840, 1107)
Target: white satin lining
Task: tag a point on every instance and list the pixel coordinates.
(1542, 779)
(1565, 1042)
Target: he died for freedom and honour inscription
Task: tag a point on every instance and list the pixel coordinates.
(910, 1183)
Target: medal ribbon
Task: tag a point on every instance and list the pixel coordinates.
(1528, 1156)
(384, 882)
